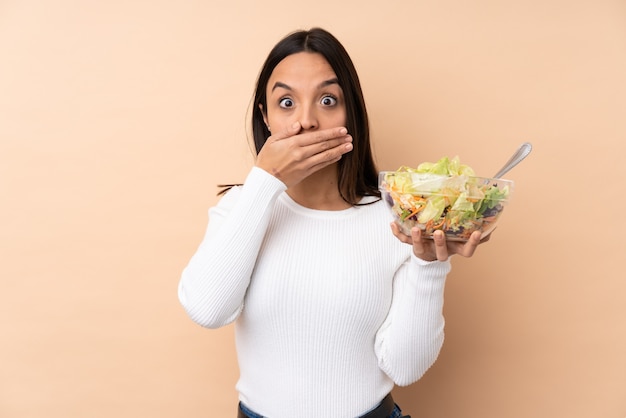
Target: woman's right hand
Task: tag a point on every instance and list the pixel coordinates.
(292, 156)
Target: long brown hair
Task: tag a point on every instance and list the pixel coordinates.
(357, 174)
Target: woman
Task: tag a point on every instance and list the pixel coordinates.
(331, 309)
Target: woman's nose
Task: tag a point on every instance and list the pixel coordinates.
(308, 118)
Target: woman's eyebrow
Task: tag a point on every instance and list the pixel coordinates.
(323, 84)
(329, 82)
(281, 85)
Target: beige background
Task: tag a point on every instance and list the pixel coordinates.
(118, 118)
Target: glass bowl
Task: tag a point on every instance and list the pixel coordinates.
(457, 205)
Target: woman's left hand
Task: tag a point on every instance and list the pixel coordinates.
(438, 248)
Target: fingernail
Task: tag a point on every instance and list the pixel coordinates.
(349, 147)
(343, 131)
(295, 125)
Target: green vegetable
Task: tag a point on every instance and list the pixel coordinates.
(444, 195)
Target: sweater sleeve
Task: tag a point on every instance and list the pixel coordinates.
(410, 338)
(213, 285)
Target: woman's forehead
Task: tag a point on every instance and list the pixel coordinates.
(302, 69)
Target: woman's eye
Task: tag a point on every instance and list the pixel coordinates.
(329, 101)
(285, 103)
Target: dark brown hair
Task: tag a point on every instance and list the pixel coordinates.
(357, 174)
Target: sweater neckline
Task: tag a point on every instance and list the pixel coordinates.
(320, 213)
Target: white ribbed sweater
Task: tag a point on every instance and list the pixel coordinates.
(331, 308)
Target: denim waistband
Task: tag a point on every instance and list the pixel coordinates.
(386, 409)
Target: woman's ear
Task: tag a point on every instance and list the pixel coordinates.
(264, 116)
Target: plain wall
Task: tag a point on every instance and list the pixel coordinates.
(118, 119)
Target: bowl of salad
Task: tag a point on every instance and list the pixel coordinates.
(445, 196)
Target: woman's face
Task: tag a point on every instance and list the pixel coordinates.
(304, 88)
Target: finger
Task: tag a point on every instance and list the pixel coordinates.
(472, 244)
(418, 243)
(441, 248)
(328, 144)
(292, 130)
(399, 234)
(322, 159)
(422, 247)
(331, 149)
(319, 137)
(468, 248)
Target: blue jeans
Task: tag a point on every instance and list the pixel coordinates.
(395, 414)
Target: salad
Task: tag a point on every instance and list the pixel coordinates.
(446, 196)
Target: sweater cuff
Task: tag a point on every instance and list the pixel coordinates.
(259, 179)
(435, 264)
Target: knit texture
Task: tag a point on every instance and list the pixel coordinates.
(331, 309)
